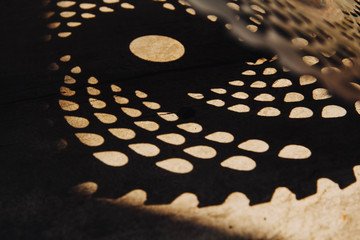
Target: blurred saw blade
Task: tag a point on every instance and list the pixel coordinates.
(315, 37)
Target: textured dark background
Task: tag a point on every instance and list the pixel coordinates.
(36, 174)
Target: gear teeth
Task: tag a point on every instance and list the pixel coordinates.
(326, 184)
(186, 199)
(135, 197)
(357, 172)
(84, 189)
(202, 196)
(282, 194)
(237, 199)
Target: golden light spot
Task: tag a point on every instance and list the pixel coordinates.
(106, 9)
(264, 97)
(148, 125)
(93, 91)
(300, 42)
(258, 62)
(145, 149)
(169, 6)
(328, 53)
(69, 80)
(93, 80)
(301, 112)
(203, 152)
(320, 94)
(98, 104)
(61, 144)
(64, 34)
(357, 106)
(196, 95)
(47, 37)
(111, 1)
(240, 95)
(65, 4)
(123, 133)
(274, 58)
(90, 139)
(306, 80)
(76, 70)
(67, 91)
(237, 83)
(347, 62)
(175, 165)
(87, 5)
(233, 6)
(269, 112)
(333, 111)
(65, 58)
(258, 84)
(67, 14)
(54, 25)
(282, 82)
(68, 105)
(48, 15)
(182, 2)
(216, 102)
(140, 94)
(240, 108)
(53, 67)
(252, 28)
(228, 26)
(77, 122)
(88, 15)
(112, 158)
(269, 71)
(131, 112)
(293, 97)
(105, 118)
(152, 105)
(258, 9)
(212, 18)
(249, 73)
(221, 137)
(330, 70)
(121, 100)
(254, 145)
(172, 138)
(168, 116)
(356, 85)
(191, 11)
(127, 6)
(295, 152)
(115, 88)
(190, 127)
(156, 48)
(256, 19)
(73, 24)
(310, 60)
(218, 90)
(239, 163)
(285, 69)
(85, 189)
